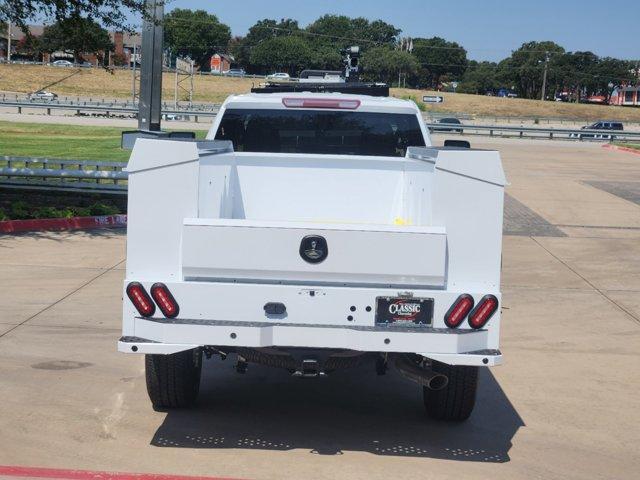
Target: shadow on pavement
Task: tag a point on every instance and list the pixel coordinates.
(61, 236)
(353, 410)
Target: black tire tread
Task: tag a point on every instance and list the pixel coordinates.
(455, 402)
(173, 381)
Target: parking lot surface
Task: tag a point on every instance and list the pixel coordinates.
(564, 405)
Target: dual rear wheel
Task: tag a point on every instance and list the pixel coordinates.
(454, 402)
(173, 381)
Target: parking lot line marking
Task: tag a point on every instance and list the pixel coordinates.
(38, 472)
(630, 314)
(62, 299)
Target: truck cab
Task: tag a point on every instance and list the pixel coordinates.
(315, 231)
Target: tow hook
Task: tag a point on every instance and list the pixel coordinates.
(308, 369)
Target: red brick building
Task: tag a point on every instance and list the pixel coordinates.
(122, 53)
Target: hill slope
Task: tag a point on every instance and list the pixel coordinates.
(99, 83)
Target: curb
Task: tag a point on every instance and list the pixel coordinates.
(58, 224)
(618, 148)
(66, 474)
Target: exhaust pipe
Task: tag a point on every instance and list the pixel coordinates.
(421, 375)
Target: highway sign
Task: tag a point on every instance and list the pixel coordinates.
(432, 99)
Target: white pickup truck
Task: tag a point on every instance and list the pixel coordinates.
(314, 232)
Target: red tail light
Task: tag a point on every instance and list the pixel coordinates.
(140, 299)
(341, 104)
(483, 312)
(165, 300)
(459, 311)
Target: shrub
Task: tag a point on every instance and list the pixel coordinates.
(103, 209)
(421, 106)
(20, 209)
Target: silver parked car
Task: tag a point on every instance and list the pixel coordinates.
(43, 95)
(282, 76)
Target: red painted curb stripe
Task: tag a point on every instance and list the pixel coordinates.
(634, 151)
(74, 223)
(36, 472)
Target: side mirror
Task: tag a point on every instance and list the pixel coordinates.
(457, 144)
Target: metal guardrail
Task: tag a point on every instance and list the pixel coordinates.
(210, 110)
(52, 174)
(534, 132)
(108, 110)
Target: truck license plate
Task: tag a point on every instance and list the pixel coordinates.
(404, 311)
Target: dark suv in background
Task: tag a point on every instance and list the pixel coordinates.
(601, 125)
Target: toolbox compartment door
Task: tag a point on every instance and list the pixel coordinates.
(274, 252)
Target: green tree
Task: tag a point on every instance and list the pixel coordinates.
(196, 34)
(613, 71)
(439, 59)
(77, 34)
(288, 54)
(480, 78)
(524, 69)
(382, 64)
(331, 33)
(263, 30)
(29, 45)
(340, 31)
(110, 13)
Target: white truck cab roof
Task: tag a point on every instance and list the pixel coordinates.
(284, 101)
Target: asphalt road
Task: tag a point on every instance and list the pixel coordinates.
(564, 405)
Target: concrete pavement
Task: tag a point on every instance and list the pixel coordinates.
(564, 405)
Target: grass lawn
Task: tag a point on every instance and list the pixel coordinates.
(71, 142)
(635, 146)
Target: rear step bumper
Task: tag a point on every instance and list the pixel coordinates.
(455, 347)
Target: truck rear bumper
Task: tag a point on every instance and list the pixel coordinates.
(455, 347)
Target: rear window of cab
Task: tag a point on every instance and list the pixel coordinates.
(320, 132)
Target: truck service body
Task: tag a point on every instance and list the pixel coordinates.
(314, 231)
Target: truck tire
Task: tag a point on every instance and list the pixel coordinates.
(173, 381)
(455, 402)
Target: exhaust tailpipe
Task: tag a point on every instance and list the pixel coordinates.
(421, 375)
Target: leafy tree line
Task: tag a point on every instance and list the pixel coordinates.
(435, 63)
(283, 45)
(576, 74)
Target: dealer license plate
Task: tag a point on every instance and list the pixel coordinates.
(404, 311)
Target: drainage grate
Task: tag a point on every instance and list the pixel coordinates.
(521, 220)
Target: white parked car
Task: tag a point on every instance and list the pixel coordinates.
(279, 76)
(43, 95)
(314, 232)
(62, 63)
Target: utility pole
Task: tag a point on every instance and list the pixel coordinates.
(544, 76)
(9, 43)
